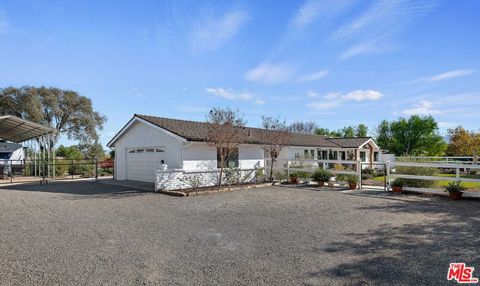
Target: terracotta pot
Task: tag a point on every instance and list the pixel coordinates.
(321, 183)
(352, 186)
(397, 189)
(294, 180)
(455, 196)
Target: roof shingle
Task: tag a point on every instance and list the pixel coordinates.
(197, 131)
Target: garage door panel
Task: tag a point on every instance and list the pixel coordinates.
(141, 166)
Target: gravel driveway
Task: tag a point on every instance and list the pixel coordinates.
(94, 234)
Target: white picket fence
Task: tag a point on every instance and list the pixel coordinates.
(179, 179)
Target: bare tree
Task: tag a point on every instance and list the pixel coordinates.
(307, 127)
(225, 132)
(274, 139)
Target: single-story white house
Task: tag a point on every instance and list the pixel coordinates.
(146, 141)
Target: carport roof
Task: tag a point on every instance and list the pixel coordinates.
(15, 129)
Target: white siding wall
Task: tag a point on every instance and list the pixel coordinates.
(200, 156)
(142, 135)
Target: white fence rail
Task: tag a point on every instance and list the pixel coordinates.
(458, 167)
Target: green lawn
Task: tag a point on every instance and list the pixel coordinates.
(470, 185)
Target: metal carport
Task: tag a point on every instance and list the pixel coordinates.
(18, 130)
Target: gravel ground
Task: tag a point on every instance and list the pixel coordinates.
(94, 234)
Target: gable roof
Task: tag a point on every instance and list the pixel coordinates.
(350, 142)
(197, 132)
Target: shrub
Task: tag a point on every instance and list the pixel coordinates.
(398, 182)
(61, 169)
(259, 175)
(280, 176)
(232, 176)
(455, 187)
(419, 171)
(351, 179)
(341, 177)
(321, 175)
(367, 176)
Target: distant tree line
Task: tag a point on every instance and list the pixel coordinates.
(414, 136)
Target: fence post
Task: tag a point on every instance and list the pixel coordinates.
(359, 174)
(457, 174)
(387, 173)
(96, 168)
(72, 168)
(288, 169)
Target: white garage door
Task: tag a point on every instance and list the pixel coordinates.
(142, 163)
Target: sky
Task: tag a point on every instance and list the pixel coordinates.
(334, 62)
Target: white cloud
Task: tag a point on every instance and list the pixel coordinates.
(213, 33)
(229, 94)
(333, 100)
(424, 107)
(270, 73)
(332, 95)
(362, 95)
(447, 75)
(312, 10)
(259, 101)
(366, 48)
(312, 93)
(313, 76)
(374, 31)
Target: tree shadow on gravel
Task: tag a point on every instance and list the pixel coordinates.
(413, 253)
(80, 189)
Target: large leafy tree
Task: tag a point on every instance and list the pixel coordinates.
(348, 131)
(66, 111)
(463, 142)
(416, 136)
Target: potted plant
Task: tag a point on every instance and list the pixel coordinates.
(455, 190)
(352, 181)
(293, 178)
(321, 176)
(397, 185)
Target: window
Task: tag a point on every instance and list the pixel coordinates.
(297, 155)
(231, 161)
(305, 153)
(150, 150)
(159, 150)
(350, 155)
(342, 155)
(5, 156)
(312, 154)
(131, 151)
(363, 156)
(332, 155)
(140, 150)
(375, 156)
(319, 154)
